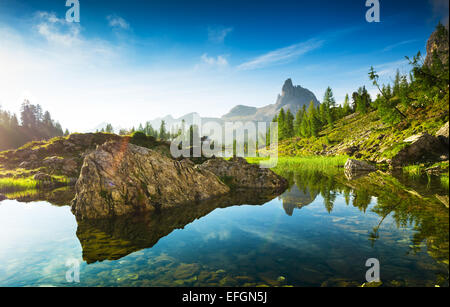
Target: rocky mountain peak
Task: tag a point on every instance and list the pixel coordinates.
(295, 96)
(288, 88)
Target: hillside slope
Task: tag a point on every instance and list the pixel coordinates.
(365, 136)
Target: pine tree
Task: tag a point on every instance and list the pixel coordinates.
(298, 122)
(304, 126)
(314, 122)
(289, 124)
(162, 131)
(281, 125)
(346, 109)
(329, 104)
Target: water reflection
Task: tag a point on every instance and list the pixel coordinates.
(114, 238)
(318, 232)
(421, 203)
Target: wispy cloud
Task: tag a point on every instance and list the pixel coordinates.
(118, 22)
(218, 34)
(213, 62)
(282, 55)
(56, 30)
(389, 48)
(389, 69)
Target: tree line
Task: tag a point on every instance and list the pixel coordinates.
(396, 103)
(308, 122)
(35, 124)
(162, 133)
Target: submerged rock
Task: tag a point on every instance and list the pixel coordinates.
(120, 178)
(237, 172)
(358, 166)
(42, 177)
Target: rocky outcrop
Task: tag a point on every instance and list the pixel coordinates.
(2, 197)
(237, 172)
(419, 148)
(292, 98)
(295, 95)
(353, 168)
(438, 45)
(119, 178)
(443, 134)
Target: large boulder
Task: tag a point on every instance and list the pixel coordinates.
(421, 147)
(42, 177)
(443, 133)
(237, 172)
(120, 178)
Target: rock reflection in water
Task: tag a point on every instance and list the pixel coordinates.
(114, 238)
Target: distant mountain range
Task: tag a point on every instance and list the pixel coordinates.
(291, 97)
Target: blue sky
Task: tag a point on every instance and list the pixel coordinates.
(129, 61)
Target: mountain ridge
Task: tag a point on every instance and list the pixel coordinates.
(292, 97)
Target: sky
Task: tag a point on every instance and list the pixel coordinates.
(126, 62)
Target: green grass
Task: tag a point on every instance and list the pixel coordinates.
(414, 171)
(9, 185)
(313, 163)
(17, 184)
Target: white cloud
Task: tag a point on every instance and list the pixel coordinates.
(388, 70)
(89, 80)
(118, 22)
(390, 47)
(218, 34)
(219, 61)
(57, 30)
(283, 55)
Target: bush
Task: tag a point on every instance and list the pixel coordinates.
(141, 139)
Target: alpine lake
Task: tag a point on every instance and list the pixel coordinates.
(319, 232)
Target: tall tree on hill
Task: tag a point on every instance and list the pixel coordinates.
(329, 104)
(314, 122)
(298, 122)
(163, 131)
(362, 100)
(304, 125)
(289, 124)
(109, 128)
(346, 109)
(281, 119)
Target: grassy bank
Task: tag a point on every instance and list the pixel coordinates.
(9, 185)
(419, 170)
(310, 163)
(12, 184)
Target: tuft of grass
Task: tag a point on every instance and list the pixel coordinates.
(413, 171)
